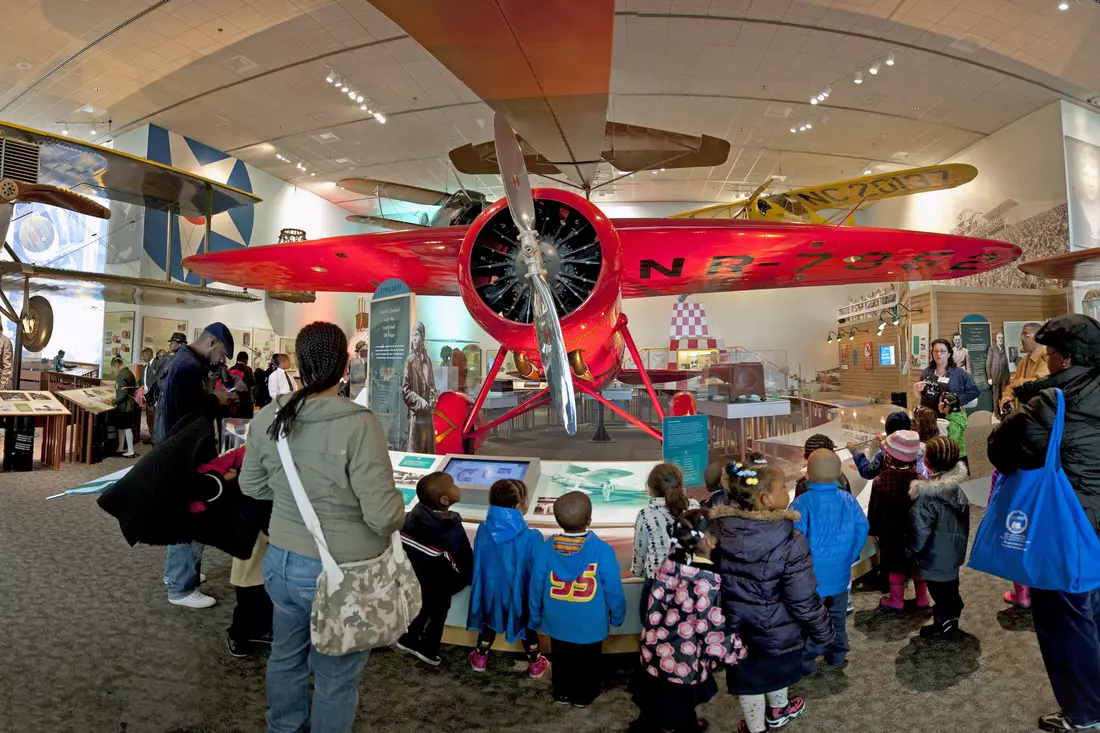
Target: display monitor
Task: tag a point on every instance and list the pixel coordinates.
(476, 474)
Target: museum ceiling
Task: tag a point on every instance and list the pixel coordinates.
(249, 77)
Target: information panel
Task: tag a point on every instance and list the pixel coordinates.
(975, 339)
(391, 322)
(686, 443)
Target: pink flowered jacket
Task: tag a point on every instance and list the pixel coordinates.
(684, 633)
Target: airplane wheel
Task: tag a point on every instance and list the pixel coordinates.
(9, 189)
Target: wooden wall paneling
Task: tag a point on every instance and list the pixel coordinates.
(857, 380)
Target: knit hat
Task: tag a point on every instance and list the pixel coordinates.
(896, 421)
(903, 445)
(1075, 335)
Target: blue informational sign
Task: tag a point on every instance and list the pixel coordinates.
(390, 288)
(886, 355)
(686, 444)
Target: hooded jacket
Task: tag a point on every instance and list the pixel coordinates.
(340, 451)
(940, 521)
(504, 556)
(575, 597)
(769, 590)
(1020, 441)
(956, 430)
(439, 551)
(836, 528)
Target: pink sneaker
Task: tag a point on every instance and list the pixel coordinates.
(478, 660)
(779, 717)
(537, 668)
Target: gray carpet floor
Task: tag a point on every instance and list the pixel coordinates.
(88, 644)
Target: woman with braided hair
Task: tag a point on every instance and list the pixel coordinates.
(341, 456)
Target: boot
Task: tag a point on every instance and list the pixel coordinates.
(1019, 596)
(946, 629)
(896, 600)
(922, 593)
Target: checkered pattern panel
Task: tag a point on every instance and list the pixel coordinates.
(692, 344)
(689, 320)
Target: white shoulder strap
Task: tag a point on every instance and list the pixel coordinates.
(333, 574)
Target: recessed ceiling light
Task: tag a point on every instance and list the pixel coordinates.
(92, 132)
(1063, 6)
(64, 131)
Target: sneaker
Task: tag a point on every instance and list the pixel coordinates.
(238, 649)
(406, 646)
(851, 606)
(264, 638)
(779, 717)
(1058, 721)
(583, 704)
(194, 599)
(561, 700)
(945, 630)
(202, 578)
(538, 667)
(478, 661)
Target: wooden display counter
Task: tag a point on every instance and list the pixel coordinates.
(87, 405)
(38, 407)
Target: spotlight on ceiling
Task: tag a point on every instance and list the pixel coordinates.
(363, 107)
(874, 68)
(64, 130)
(801, 128)
(821, 96)
(859, 77)
(1063, 6)
(359, 98)
(344, 89)
(380, 117)
(794, 129)
(809, 125)
(330, 78)
(890, 59)
(813, 100)
(92, 132)
(867, 172)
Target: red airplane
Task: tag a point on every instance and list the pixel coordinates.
(544, 272)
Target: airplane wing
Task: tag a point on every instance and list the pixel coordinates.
(1082, 265)
(626, 147)
(545, 66)
(848, 193)
(98, 171)
(659, 257)
(395, 191)
(394, 225)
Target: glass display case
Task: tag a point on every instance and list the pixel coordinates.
(457, 364)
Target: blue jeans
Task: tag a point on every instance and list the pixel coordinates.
(290, 580)
(836, 650)
(181, 569)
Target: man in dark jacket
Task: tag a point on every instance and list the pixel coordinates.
(183, 391)
(1067, 624)
(440, 552)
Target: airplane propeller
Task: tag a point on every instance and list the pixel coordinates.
(521, 204)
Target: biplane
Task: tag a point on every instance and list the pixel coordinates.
(41, 168)
(544, 271)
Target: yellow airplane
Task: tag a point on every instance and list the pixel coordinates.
(803, 204)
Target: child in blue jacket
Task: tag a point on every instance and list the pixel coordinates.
(871, 468)
(836, 528)
(504, 554)
(576, 593)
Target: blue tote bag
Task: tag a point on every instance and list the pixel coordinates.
(1035, 531)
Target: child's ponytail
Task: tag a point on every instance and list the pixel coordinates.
(667, 481)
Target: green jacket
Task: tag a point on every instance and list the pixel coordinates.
(956, 430)
(340, 452)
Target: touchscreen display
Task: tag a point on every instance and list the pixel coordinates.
(475, 472)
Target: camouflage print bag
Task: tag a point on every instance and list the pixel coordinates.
(357, 605)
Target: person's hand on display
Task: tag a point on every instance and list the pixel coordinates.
(918, 388)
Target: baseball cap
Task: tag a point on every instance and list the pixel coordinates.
(219, 331)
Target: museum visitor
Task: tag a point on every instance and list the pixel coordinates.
(942, 375)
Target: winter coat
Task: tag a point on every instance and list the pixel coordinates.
(182, 386)
(340, 452)
(651, 539)
(1020, 441)
(1030, 368)
(960, 383)
(956, 430)
(504, 556)
(803, 485)
(836, 528)
(577, 597)
(684, 636)
(940, 523)
(888, 514)
(124, 401)
(717, 496)
(869, 469)
(169, 498)
(439, 551)
(769, 590)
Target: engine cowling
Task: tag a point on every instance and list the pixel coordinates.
(581, 256)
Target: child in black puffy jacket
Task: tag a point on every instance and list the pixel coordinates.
(769, 594)
(440, 553)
